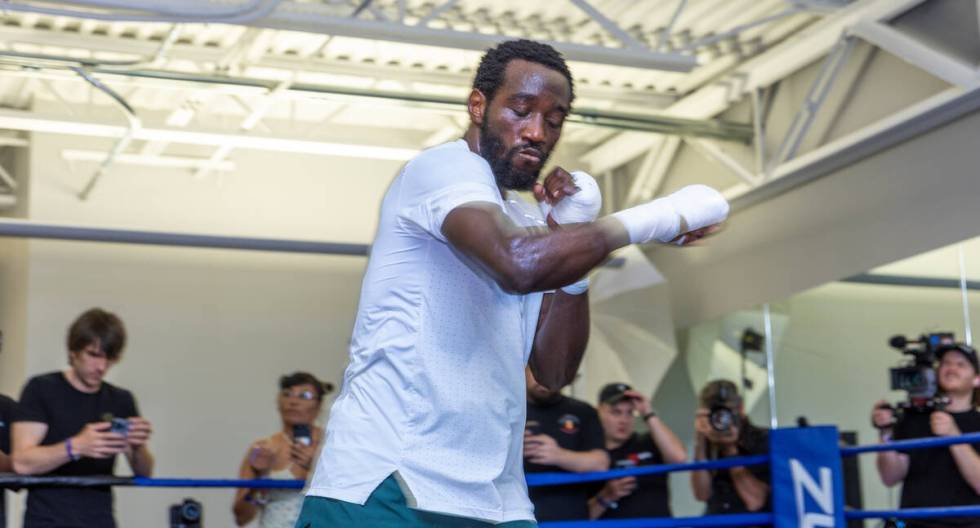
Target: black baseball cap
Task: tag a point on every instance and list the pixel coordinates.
(614, 393)
(966, 350)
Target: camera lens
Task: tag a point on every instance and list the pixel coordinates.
(721, 419)
(190, 512)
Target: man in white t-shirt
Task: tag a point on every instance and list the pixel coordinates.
(466, 285)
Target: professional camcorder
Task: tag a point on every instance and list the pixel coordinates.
(918, 377)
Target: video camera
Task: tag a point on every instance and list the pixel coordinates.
(918, 376)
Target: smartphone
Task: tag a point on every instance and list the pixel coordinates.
(302, 434)
(119, 425)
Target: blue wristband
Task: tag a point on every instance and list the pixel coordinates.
(71, 454)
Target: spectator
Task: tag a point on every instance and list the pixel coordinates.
(288, 454)
(73, 423)
(634, 497)
(723, 430)
(941, 476)
(562, 434)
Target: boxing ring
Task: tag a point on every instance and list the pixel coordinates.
(805, 470)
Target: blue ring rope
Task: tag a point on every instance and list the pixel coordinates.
(915, 513)
(918, 443)
(730, 519)
(550, 479)
(218, 483)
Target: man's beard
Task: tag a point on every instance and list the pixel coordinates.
(502, 163)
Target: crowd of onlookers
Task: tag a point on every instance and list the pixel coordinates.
(74, 423)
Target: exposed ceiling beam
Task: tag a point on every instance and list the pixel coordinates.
(647, 122)
(25, 229)
(777, 63)
(27, 121)
(218, 58)
(314, 19)
(913, 121)
(148, 160)
(950, 69)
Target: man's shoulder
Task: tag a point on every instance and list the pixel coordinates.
(970, 421)
(579, 406)
(115, 390)
(453, 160)
(7, 403)
(46, 380)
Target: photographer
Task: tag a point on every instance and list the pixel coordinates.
(646, 495)
(561, 434)
(73, 424)
(723, 430)
(942, 476)
(288, 454)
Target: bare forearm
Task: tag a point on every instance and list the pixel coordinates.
(701, 485)
(583, 461)
(243, 510)
(141, 461)
(38, 460)
(968, 462)
(892, 467)
(561, 338)
(667, 442)
(525, 260)
(6, 466)
(752, 491)
(548, 260)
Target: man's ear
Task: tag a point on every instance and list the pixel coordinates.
(477, 105)
(976, 381)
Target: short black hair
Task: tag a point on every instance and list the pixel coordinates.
(98, 327)
(289, 381)
(491, 72)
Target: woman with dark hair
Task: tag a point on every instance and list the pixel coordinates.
(287, 454)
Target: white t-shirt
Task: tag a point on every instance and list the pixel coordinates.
(435, 388)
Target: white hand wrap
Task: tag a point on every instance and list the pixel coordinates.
(694, 207)
(583, 206)
(580, 207)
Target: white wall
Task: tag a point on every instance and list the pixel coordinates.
(210, 331)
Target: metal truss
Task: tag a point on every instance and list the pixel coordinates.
(398, 27)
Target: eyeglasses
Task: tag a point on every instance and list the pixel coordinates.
(307, 395)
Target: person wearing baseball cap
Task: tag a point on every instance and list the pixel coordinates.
(939, 477)
(634, 497)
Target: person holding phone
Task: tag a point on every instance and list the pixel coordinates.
(73, 423)
(287, 454)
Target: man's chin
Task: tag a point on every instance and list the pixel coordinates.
(518, 182)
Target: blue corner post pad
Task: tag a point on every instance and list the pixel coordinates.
(807, 480)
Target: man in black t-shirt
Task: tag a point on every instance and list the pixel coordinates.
(740, 489)
(942, 476)
(72, 423)
(8, 409)
(562, 434)
(646, 495)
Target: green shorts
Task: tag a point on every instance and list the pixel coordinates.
(385, 508)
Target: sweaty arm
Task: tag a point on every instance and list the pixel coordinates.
(524, 261)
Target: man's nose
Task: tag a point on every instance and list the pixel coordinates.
(533, 131)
